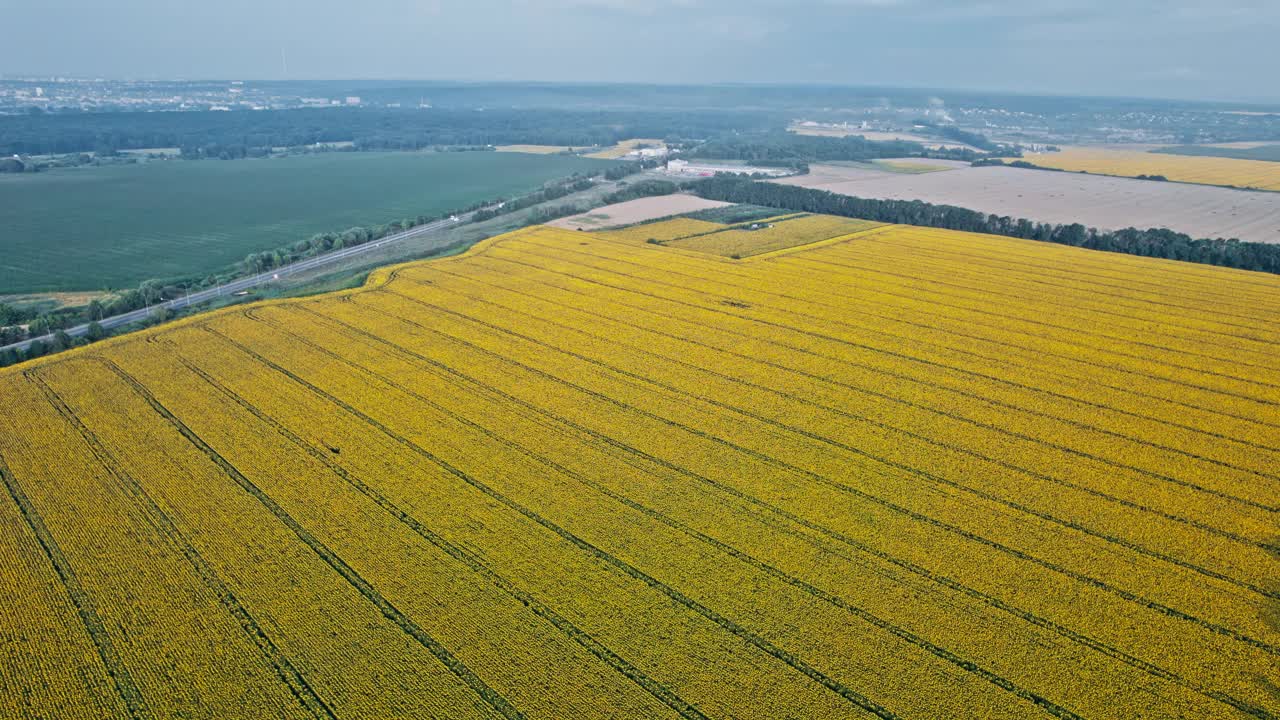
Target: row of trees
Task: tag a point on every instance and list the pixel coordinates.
(1155, 242)
(644, 188)
(240, 134)
(546, 194)
(59, 342)
(789, 149)
(951, 132)
(579, 183)
(749, 136)
(990, 162)
(321, 243)
(17, 165)
(621, 170)
(18, 324)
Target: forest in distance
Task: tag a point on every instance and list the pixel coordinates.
(211, 133)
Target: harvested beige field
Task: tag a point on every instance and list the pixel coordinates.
(63, 298)
(1103, 202)
(844, 172)
(916, 164)
(624, 147)
(54, 299)
(819, 176)
(1243, 145)
(534, 149)
(634, 211)
(161, 151)
(876, 136)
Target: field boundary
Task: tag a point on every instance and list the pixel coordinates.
(377, 278)
(889, 470)
(817, 243)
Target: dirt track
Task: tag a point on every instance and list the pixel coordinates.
(1097, 201)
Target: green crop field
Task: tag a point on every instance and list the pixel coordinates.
(111, 227)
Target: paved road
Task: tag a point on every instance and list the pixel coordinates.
(253, 281)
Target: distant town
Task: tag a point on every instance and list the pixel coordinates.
(885, 112)
(61, 94)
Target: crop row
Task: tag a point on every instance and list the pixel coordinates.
(915, 474)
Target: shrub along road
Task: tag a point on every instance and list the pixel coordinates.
(252, 281)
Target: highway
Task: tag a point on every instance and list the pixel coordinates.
(246, 283)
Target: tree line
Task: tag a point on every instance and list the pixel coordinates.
(18, 324)
(1155, 242)
(951, 132)
(547, 194)
(241, 134)
(644, 188)
(998, 162)
(780, 148)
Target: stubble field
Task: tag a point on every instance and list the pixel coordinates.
(625, 146)
(1108, 203)
(908, 473)
(636, 211)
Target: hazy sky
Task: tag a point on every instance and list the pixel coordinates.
(1212, 49)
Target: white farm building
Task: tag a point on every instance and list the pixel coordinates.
(684, 167)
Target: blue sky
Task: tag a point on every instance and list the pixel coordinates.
(1226, 49)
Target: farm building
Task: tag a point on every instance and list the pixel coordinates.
(684, 167)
